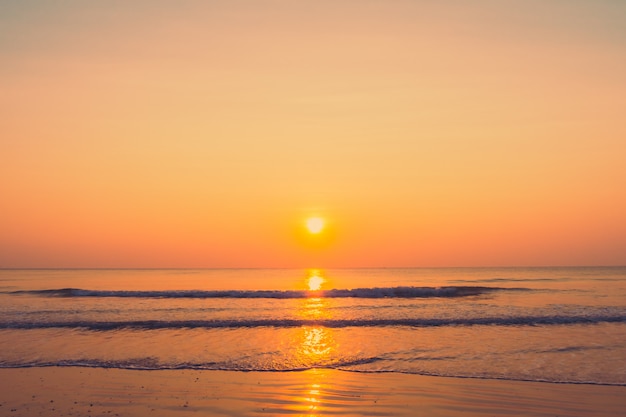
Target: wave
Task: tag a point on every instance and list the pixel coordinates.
(491, 280)
(329, 323)
(353, 365)
(388, 292)
(151, 363)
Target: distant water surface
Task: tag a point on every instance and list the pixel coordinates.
(535, 324)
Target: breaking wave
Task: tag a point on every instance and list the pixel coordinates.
(329, 323)
(389, 292)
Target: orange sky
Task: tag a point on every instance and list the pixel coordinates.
(203, 133)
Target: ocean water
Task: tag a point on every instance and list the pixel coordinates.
(533, 324)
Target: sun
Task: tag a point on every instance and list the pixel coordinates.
(315, 225)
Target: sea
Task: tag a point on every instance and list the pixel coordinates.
(559, 325)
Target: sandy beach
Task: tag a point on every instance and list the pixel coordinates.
(74, 391)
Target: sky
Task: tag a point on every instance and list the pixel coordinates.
(204, 133)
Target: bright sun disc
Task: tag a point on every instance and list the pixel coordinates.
(315, 224)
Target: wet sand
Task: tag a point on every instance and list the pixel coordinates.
(58, 391)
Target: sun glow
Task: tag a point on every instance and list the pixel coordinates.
(315, 224)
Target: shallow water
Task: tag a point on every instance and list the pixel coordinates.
(536, 324)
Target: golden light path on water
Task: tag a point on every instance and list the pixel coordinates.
(315, 280)
(316, 349)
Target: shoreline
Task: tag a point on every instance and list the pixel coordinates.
(66, 391)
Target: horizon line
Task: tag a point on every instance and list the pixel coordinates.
(316, 267)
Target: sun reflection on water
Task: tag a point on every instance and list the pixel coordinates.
(316, 347)
(314, 309)
(316, 344)
(316, 352)
(315, 280)
(313, 397)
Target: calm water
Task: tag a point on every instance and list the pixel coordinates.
(537, 324)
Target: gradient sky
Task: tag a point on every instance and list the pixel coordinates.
(203, 133)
